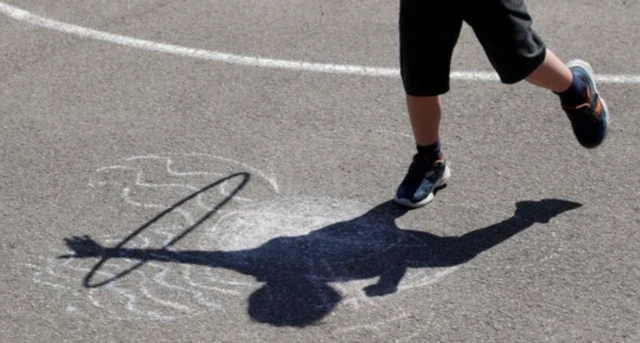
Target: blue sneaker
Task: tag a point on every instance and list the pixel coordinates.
(422, 179)
(590, 121)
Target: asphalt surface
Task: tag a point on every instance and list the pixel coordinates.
(151, 197)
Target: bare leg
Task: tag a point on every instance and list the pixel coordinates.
(427, 171)
(586, 110)
(425, 113)
(552, 74)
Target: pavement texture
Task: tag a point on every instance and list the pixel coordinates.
(149, 197)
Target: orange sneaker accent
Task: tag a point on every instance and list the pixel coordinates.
(598, 108)
(587, 104)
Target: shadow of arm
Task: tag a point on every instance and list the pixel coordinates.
(86, 247)
(527, 213)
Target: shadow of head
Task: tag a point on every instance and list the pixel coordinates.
(292, 301)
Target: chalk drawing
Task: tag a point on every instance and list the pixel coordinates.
(334, 247)
(148, 184)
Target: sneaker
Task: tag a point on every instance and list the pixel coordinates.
(590, 121)
(422, 179)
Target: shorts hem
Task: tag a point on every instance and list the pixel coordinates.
(532, 64)
(430, 92)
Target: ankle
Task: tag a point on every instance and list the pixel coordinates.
(576, 94)
(432, 152)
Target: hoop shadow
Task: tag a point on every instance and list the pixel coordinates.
(296, 271)
(245, 177)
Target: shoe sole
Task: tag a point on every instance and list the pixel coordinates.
(439, 184)
(586, 66)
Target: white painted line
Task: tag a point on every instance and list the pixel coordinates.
(253, 61)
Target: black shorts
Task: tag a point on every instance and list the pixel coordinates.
(429, 30)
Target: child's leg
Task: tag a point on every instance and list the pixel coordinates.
(576, 87)
(517, 52)
(552, 74)
(425, 113)
(429, 31)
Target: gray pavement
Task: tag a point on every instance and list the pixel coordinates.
(535, 239)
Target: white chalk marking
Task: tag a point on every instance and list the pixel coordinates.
(173, 305)
(189, 279)
(271, 179)
(197, 295)
(169, 163)
(429, 279)
(131, 299)
(139, 179)
(141, 183)
(127, 199)
(252, 61)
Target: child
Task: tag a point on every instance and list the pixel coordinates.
(429, 30)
